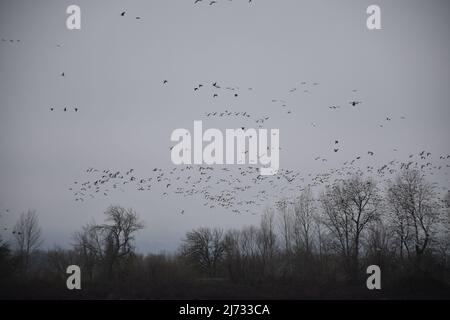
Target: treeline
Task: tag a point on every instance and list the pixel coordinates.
(314, 246)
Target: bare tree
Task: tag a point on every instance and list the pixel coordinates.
(442, 238)
(349, 208)
(285, 224)
(89, 246)
(414, 210)
(379, 243)
(233, 254)
(248, 242)
(121, 226)
(267, 242)
(111, 243)
(28, 236)
(242, 254)
(304, 221)
(399, 222)
(205, 248)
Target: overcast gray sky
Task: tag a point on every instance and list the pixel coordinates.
(114, 69)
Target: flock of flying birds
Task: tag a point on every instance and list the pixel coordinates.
(10, 40)
(242, 189)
